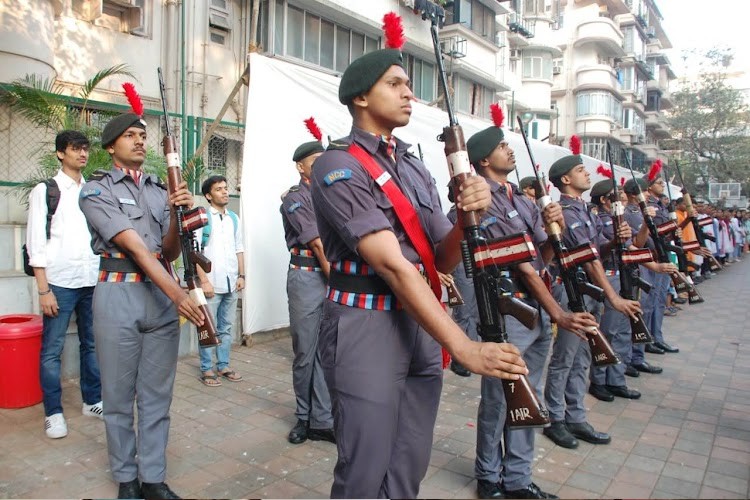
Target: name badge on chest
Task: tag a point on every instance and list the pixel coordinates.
(512, 214)
(126, 201)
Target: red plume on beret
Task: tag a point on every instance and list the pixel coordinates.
(133, 98)
(394, 31)
(575, 145)
(313, 128)
(498, 117)
(604, 171)
(654, 171)
(622, 181)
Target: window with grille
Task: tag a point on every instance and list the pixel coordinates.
(303, 35)
(217, 153)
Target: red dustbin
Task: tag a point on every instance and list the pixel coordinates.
(20, 345)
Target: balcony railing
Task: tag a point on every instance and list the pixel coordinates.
(519, 24)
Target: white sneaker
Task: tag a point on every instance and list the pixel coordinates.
(94, 410)
(55, 426)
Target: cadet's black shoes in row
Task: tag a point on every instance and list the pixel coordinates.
(149, 491)
(585, 432)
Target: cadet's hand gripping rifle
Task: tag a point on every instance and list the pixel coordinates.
(679, 281)
(627, 262)
(699, 234)
(482, 260)
(187, 222)
(573, 277)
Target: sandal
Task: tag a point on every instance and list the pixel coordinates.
(231, 376)
(210, 380)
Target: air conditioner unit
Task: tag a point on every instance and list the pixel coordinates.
(556, 70)
(651, 32)
(515, 53)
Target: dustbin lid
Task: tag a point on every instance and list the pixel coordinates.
(20, 326)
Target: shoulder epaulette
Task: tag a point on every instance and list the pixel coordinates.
(340, 144)
(159, 183)
(98, 175)
(566, 205)
(294, 188)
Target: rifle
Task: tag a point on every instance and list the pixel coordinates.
(714, 264)
(573, 276)
(680, 248)
(483, 259)
(627, 262)
(187, 222)
(679, 281)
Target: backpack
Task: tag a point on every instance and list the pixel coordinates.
(53, 200)
(207, 228)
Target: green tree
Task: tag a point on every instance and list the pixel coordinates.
(44, 103)
(710, 124)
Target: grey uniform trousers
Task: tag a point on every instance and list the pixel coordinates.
(384, 374)
(516, 459)
(616, 328)
(567, 375)
(466, 315)
(652, 305)
(137, 337)
(306, 293)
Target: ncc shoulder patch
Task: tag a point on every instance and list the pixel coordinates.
(341, 174)
(575, 225)
(488, 222)
(294, 206)
(85, 193)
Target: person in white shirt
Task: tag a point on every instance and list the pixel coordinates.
(221, 242)
(65, 269)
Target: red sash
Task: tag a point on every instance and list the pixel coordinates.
(405, 213)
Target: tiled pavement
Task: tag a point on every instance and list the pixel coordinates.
(688, 437)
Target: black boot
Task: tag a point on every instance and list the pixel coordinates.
(157, 491)
(298, 434)
(560, 435)
(585, 432)
(131, 489)
(488, 489)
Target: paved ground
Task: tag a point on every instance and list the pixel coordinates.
(688, 437)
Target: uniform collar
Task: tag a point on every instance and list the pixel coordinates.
(572, 199)
(371, 142)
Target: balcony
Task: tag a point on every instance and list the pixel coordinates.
(657, 123)
(604, 33)
(597, 76)
(520, 29)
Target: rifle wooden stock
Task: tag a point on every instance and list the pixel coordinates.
(454, 296)
(207, 331)
(523, 405)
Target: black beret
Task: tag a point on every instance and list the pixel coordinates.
(632, 188)
(364, 71)
(563, 166)
(120, 124)
(481, 144)
(600, 189)
(527, 182)
(306, 149)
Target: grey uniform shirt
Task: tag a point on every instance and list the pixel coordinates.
(581, 226)
(350, 205)
(507, 216)
(112, 203)
(634, 217)
(662, 214)
(298, 216)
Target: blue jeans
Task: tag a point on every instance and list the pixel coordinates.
(223, 307)
(53, 341)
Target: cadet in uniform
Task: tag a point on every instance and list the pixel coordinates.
(305, 288)
(381, 319)
(134, 230)
(609, 381)
(527, 186)
(503, 455)
(659, 282)
(633, 216)
(567, 377)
